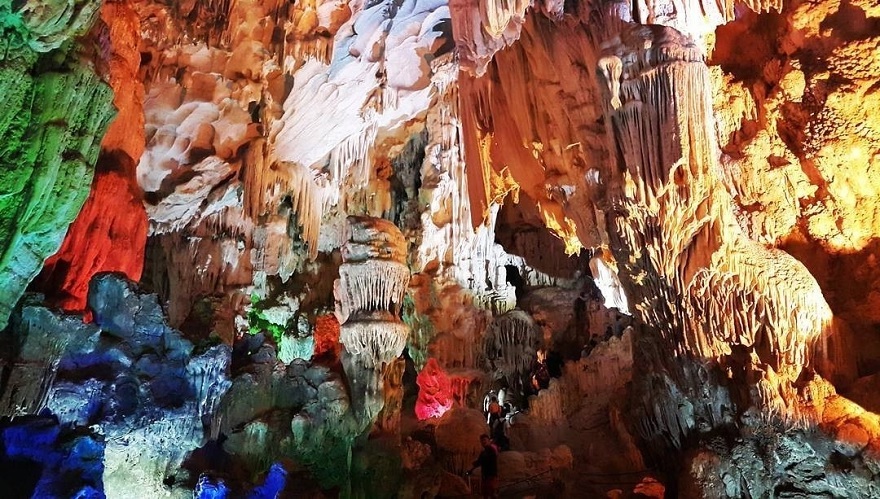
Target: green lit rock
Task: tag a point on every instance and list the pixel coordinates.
(301, 412)
(53, 23)
(54, 112)
(293, 347)
(422, 332)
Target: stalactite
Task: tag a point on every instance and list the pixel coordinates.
(308, 199)
(350, 162)
(462, 381)
(374, 342)
(371, 285)
(498, 14)
(607, 281)
(389, 419)
(209, 382)
(690, 272)
(320, 49)
(373, 276)
(484, 27)
(40, 339)
(512, 342)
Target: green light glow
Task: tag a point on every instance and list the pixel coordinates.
(55, 111)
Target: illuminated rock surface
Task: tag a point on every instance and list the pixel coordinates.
(635, 242)
(55, 111)
(129, 377)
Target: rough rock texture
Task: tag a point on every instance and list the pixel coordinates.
(691, 253)
(435, 391)
(303, 412)
(43, 458)
(646, 228)
(55, 111)
(103, 239)
(369, 294)
(129, 376)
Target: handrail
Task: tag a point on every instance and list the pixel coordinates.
(526, 479)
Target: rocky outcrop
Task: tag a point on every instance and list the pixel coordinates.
(663, 201)
(130, 376)
(41, 457)
(102, 239)
(52, 120)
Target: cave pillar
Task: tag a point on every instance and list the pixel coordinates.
(102, 239)
(373, 279)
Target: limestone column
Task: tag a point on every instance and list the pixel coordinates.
(373, 279)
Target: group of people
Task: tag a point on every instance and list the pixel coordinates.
(498, 412)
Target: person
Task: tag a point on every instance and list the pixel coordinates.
(498, 430)
(494, 411)
(540, 377)
(488, 400)
(488, 463)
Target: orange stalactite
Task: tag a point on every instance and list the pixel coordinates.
(460, 387)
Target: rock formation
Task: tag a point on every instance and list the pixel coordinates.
(324, 245)
(56, 109)
(373, 278)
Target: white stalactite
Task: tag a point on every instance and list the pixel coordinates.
(371, 285)
(374, 342)
(512, 341)
(373, 280)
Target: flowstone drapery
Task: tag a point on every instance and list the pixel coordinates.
(511, 344)
(51, 121)
(673, 232)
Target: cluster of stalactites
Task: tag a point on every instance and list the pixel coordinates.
(757, 312)
(766, 304)
(295, 185)
(373, 279)
(374, 342)
(511, 342)
(371, 286)
(668, 187)
(736, 309)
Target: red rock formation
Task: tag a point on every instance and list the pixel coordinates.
(110, 232)
(327, 335)
(108, 236)
(435, 391)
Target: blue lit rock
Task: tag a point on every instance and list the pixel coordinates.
(136, 380)
(41, 458)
